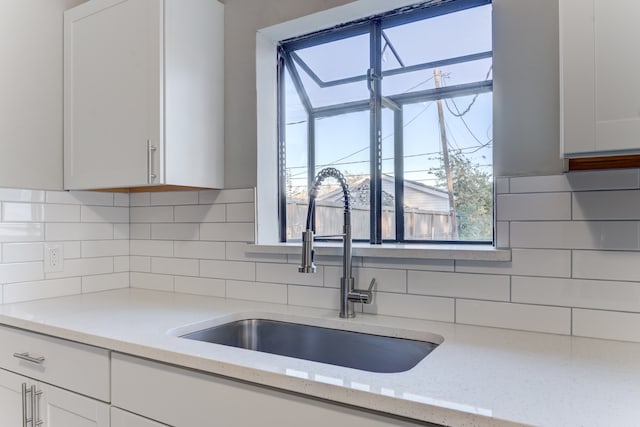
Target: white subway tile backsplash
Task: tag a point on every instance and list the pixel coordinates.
(21, 232)
(533, 207)
(19, 195)
(22, 252)
(105, 282)
(606, 205)
(617, 235)
(159, 248)
(151, 214)
(173, 198)
(121, 199)
(21, 272)
(233, 270)
(175, 231)
(78, 231)
(227, 196)
(459, 285)
(18, 292)
(104, 248)
(200, 213)
(93, 198)
(387, 280)
(241, 212)
(287, 273)
(71, 249)
(200, 286)
(606, 265)
(156, 282)
(524, 262)
(614, 179)
(139, 199)
(34, 212)
(176, 266)
(229, 231)
(140, 231)
(311, 296)
(140, 264)
(503, 235)
(597, 294)
(575, 242)
(121, 264)
(84, 267)
(104, 214)
(121, 231)
(257, 291)
(199, 250)
(606, 324)
(414, 306)
(539, 184)
(502, 185)
(534, 318)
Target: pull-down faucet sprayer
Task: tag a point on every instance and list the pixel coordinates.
(348, 293)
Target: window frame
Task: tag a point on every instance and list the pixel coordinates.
(268, 40)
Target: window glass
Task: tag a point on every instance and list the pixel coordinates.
(424, 119)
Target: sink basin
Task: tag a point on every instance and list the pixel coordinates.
(367, 352)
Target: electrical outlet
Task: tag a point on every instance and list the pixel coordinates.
(53, 258)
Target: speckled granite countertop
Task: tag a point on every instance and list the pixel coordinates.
(477, 377)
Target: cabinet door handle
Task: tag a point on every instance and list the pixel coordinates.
(35, 407)
(151, 150)
(25, 421)
(26, 356)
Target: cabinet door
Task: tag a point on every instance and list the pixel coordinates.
(61, 408)
(120, 418)
(600, 91)
(185, 398)
(11, 398)
(113, 93)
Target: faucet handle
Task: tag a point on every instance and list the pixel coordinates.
(373, 282)
(362, 296)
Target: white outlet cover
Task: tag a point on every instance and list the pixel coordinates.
(53, 257)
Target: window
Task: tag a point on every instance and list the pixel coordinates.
(401, 104)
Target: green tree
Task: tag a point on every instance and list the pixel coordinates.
(473, 191)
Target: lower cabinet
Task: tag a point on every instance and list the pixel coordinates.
(11, 399)
(120, 418)
(184, 398)
(24, 401)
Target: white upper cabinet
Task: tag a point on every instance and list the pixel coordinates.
(144, 94)
(31, 93)
(599, 84)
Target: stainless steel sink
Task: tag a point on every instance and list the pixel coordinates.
(356, 350)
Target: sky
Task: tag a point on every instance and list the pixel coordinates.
(343, 141)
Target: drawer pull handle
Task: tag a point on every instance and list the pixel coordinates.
(26, 356)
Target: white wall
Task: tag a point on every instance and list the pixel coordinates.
(526, 93)
(242, 19)
(525, 67)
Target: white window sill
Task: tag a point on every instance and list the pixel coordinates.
(395, 250)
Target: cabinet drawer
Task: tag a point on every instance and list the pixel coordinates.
(78, 367)
(185, 398)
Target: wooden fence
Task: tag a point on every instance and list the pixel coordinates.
(418, 224)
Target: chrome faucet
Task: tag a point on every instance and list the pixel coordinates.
(348, 294)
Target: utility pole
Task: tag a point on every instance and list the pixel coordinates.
(445, 156)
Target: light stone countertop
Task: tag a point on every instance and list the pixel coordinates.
(477, 377)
